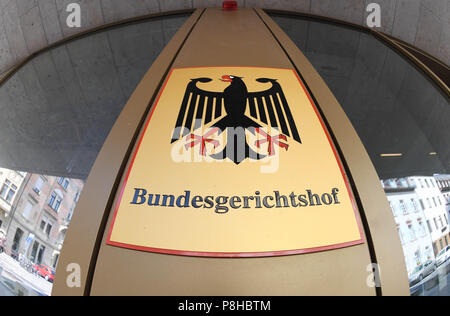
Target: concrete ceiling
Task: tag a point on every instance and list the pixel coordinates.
(29, 25)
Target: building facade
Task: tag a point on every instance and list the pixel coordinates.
(43, 210)
(411, 221)
(434, 206)
(443, 182)
(420, 207)
(10, 183)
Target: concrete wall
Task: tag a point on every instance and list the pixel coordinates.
(28, 25)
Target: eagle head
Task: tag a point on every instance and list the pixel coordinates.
(228, 78)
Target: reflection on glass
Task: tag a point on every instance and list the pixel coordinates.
(58, 109)
(420, 206)
(402, 119)
(56, 113)
(33, 225)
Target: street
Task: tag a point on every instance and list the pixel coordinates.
(436, 284)
(16, 281)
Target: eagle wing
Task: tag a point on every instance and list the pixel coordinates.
(191, 115)
(274, 101)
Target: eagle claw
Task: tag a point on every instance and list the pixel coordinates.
(272, 141)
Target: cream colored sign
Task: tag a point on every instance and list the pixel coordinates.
(235, 161)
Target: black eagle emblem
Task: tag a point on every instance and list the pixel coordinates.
(226, 110)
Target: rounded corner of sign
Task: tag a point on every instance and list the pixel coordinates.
(242, 255)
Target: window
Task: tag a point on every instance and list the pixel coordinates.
(38, 185)
(34, 251)
(48, 229)
(400, 233)
(412, 233)
(27, 210)
(403, 207)
(435, 249)
(42, 226)
(69, 216)
(422, 205)
(64, 182)
(429, 227)
(422, 228)
(55, 261)
(421, 183)
(417, 257)
(46, 226)
(52, 199)
(393, 208)
(414, 204)
(17, 239)
(40, 254)
(57, 204)
(55, 201)
(77, 196)
(8, 191)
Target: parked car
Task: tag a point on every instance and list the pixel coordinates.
(443, 256)
(422, 271)
(45, 272)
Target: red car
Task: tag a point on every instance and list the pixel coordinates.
(45, 272)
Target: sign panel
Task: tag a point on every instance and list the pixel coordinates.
(235, 162)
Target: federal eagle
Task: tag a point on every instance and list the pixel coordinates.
(268, 108)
